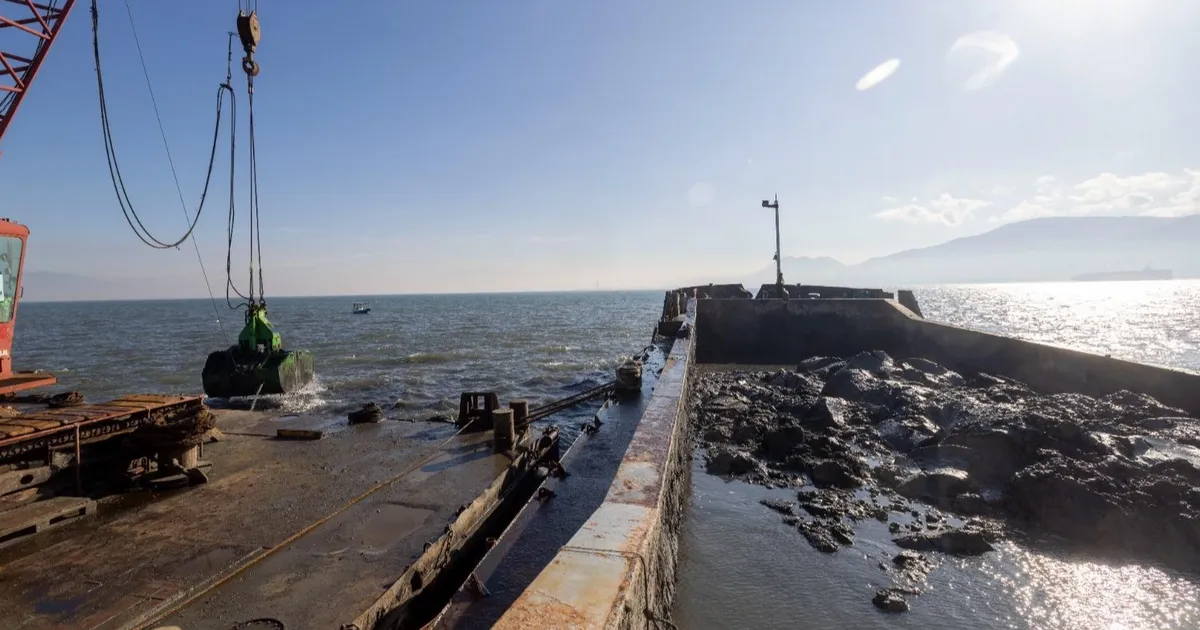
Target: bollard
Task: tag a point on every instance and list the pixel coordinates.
(189, 458)
(503, 430)
(629, 377)
(520, 409)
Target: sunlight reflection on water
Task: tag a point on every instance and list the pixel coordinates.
(1052, 592)
(1150, 322)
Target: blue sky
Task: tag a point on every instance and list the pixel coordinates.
(477, 145)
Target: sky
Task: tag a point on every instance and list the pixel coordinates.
(547, 145)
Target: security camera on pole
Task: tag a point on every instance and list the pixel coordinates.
(778, 258)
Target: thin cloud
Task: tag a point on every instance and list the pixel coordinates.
(877, 75)
(1154, 193)
(945, 209)
(983, 57)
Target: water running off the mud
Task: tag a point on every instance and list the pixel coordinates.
(954, 463)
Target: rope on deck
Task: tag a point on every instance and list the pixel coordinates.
(563, 404)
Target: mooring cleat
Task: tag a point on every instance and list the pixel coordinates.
(258, 364)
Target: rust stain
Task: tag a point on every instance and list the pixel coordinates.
(637, 537)
(551, 614)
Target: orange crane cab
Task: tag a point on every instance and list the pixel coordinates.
(29, 29)
(12, 262)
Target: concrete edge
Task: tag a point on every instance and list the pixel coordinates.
(618, 570)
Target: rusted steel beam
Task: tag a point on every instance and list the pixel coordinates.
(56, 428)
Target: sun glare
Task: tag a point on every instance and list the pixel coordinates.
(1083, 16)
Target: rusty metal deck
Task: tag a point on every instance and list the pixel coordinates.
(84, 423)
(41, 515)
(21, 381)
(266, 537)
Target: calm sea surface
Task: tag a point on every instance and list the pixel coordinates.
(741, 568)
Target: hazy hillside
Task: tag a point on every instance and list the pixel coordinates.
(1028, 251)
(1051, 249)
(49, 286)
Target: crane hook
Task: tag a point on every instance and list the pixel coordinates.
(249, 33)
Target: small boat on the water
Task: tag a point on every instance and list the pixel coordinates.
(362, 308)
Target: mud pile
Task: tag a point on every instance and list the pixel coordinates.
(954, 462)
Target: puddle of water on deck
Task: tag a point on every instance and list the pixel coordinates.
(742, 567)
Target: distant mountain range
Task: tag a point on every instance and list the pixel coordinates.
(52, 286)
(1037, 250)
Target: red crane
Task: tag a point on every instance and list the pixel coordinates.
(27, 31)
(33, 28)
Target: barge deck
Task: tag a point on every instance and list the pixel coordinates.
(310, 533)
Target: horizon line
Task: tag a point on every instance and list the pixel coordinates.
(350, 295)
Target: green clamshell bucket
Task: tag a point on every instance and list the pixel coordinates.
(258, 364)
(229, 373)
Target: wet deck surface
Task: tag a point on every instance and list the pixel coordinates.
(534, 539)
(233, 546)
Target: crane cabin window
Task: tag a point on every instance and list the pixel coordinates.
(10, 268)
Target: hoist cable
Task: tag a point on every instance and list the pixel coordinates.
(171, 162)
(127, 209)
(232, 219)
(256, 231)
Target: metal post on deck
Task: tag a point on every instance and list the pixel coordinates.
(778, 256)
(78, 464)
(503, 431)
(520, 409)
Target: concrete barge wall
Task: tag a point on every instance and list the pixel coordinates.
(779, 332)
(618, 571)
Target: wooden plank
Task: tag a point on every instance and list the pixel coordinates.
(8, 431)
(37, 424)
(127, 404)
(16, 480)
(82, 413)
(41, 515)
(299, 434)
(62, 416)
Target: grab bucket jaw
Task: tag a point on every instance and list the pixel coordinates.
(258, 364)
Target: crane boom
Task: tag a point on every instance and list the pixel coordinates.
(27, 31)
(31, 28)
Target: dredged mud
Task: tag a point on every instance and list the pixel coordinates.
(954, 462)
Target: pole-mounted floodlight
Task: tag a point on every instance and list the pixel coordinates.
(778, 258)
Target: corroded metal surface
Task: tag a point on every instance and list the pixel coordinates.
(258, 539)
(454, 553)
(21, 381)
(86, 423)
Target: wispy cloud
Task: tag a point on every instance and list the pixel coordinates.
(945, 209)
(982, 56)
(877, 75)
(1107, 194)
(1155, 193)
